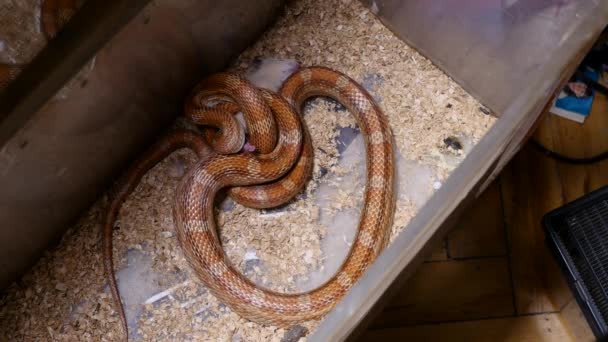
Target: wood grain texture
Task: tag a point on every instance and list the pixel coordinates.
(578, 141)
(534, 328)
(439, 253)
(480, 231)
(452, 290)
(574, 139)
(530, 189)
(573, 319)
(534, 184)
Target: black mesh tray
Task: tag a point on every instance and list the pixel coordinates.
(577, 234)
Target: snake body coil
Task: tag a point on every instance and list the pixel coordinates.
(272, 176)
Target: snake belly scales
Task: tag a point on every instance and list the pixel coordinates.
(268, 177)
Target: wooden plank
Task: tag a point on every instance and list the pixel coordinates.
(452, 290)
(439, 253)
(575, 140)
(580, 141)
(480, 231)
(534, 184)
(573, 319)
(531, 187)
(534, 328)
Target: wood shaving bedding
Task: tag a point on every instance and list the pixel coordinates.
(65, 296)
(21, 37)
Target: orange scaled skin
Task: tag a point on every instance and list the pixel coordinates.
(282, 168)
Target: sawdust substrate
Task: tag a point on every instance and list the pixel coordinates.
(65, 297)
(21, 37)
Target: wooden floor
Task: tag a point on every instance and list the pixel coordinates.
(493, 277)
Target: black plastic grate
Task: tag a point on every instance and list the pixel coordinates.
(578, 235)
(588, 233)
